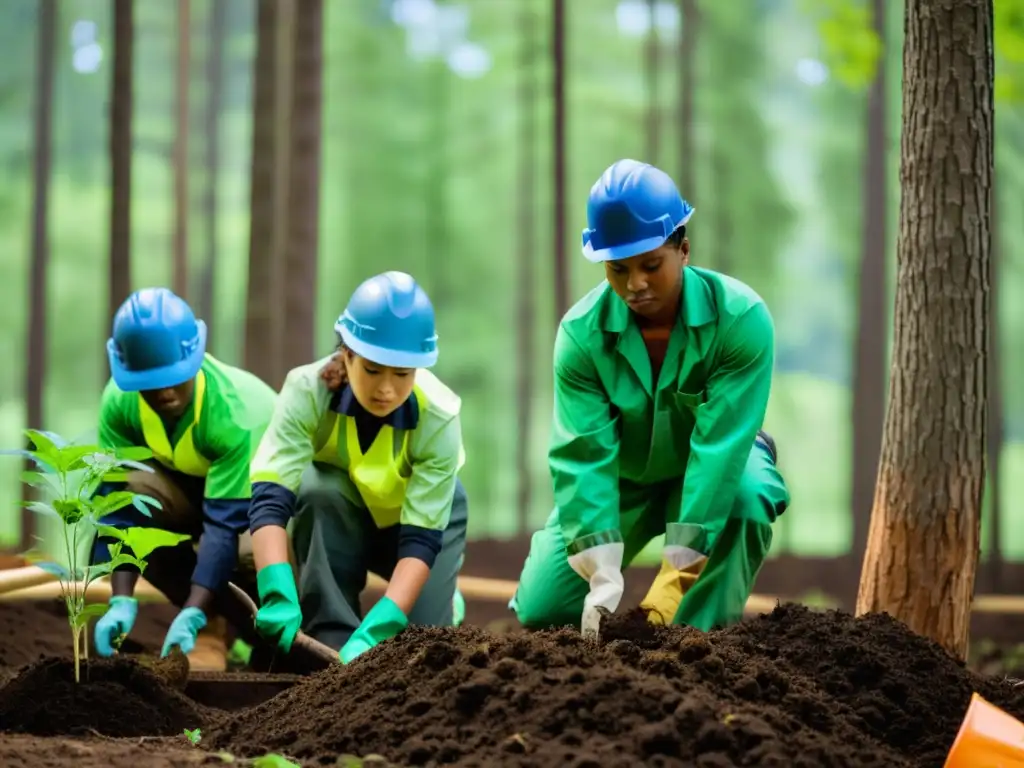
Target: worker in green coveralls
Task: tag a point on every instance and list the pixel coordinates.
(662, 377)
(364, 449)
(202, 419)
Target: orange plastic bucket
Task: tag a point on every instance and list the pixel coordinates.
(988, 738)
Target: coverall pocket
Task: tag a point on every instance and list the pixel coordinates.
(688, 402)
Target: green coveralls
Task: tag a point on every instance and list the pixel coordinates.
(631, 460)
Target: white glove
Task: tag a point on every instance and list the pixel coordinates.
(682, 558)
(601, 566)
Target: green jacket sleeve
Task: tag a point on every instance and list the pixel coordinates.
(287, 446)
(725, 430)
(584, 453)
(435, 466)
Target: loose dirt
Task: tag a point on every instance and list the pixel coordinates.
(791, 688)
(116, 697)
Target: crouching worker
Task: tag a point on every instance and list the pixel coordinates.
(202, 420)
(364, 448)
(662, 377)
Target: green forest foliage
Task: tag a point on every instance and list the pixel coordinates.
(420, 174)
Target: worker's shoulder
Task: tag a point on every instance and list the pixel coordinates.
(232, 379)
(441, 400)
(115, 400)
(306, 378)
(733, 298)
(585, 318)
(238, 396)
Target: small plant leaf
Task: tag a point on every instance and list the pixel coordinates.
(142, 503)
(70, 510)
(93, 610)
(111, 532)
(40, 508)
(134, 453)
(55, 569)
(194, 736)
(144, 540)
(46, 448)
(274, 760)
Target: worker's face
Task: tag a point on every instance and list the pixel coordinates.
(170, 402)
(650, 283)
(380, 389)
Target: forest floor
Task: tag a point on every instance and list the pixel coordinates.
(794, 687)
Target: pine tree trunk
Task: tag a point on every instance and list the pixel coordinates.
(925, 526)
(121, 107)
(180, 250)
(687, 88)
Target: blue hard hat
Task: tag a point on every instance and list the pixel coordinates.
(156, 341)
(390, 321)
(632, 209)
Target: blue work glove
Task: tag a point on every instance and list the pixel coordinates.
(117, 621)
(384, 620)
(183, 631)
(279, 616)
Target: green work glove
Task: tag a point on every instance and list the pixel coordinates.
(458, 609)
(384, 620)
(279, 616)
(117, 621)
(184, 630)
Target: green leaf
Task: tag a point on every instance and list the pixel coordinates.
(91, 611)
(142, 502)
(55, 569)
(46, 449)
(40, 508)
(113, 501)
(274, 760)
(133, 454)
(72, 457)
(70, 510)
(111, 532)
(144, 540)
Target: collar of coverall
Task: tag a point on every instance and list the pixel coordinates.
(406, 416)
(697, 307)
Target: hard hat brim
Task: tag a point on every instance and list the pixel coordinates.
(157, 378)
(390, 357)
(624, 251)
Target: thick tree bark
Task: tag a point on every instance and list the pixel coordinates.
(302, 248)
(180, 258)
(925, 526)
(264, 315)
(121, 107)
(35, 371)
(868, 403)
(996, 428)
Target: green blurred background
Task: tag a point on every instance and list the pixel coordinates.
(422, 156)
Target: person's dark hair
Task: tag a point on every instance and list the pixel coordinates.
(676, 238)
(334, 373)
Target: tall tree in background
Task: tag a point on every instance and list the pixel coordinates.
(870, 353)
(652, 66)
(525, 303)
(264, 316)
(180, 254)
(302, 249)
(925, 526)
(121, 107)
(216, 31)
(35, 371)
(996, 427)
(561, 256)
(687, 86)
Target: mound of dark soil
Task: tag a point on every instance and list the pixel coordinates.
(32, 630)
(791, 688)
(116, 697)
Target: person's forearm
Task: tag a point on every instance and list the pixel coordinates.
(122, 583)
(407, 582)
(269, 546)
(199, 597)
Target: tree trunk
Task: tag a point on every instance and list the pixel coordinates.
(264, 315)
(525, 303)
(35, 371)
(996, 429)
(925, 526)
(214, 96)
(180, 257)
(868, 403)
(302, 250)
(121, 107)
(687, 87)
(652, 66)
(558, 158)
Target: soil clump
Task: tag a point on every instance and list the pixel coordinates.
(116, 697)
(793, 688)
